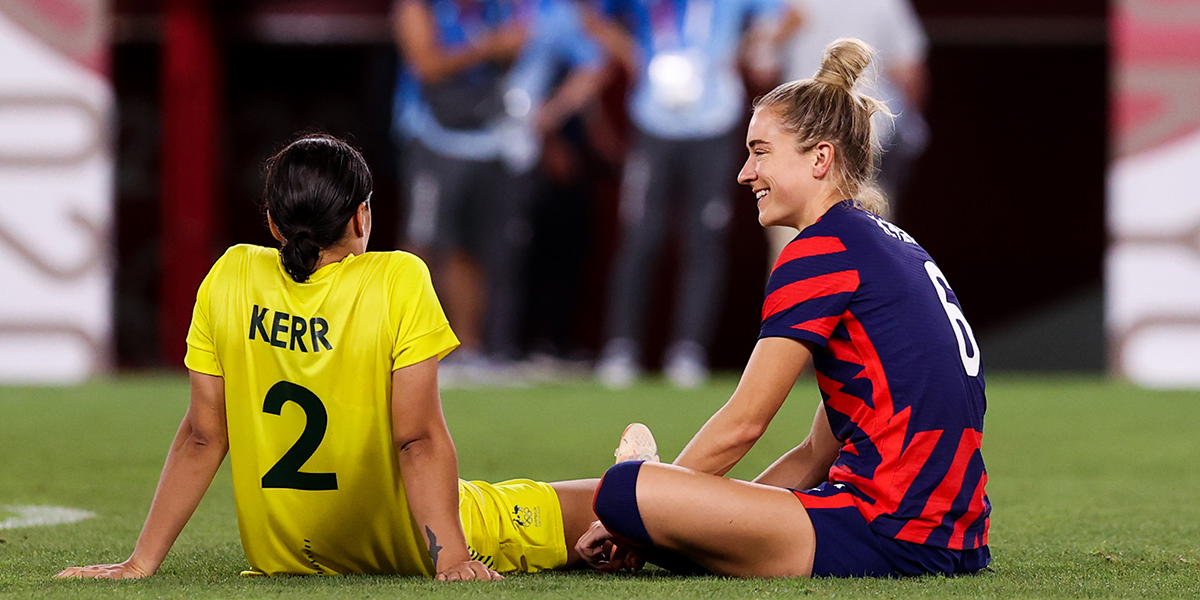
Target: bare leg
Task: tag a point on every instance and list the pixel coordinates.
(729, 527)
(463, 297)
(575, 496)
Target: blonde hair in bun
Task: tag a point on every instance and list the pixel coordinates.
(830, 108)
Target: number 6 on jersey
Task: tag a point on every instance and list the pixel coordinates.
(968, 350)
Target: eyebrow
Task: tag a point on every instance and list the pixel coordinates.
(752, 143)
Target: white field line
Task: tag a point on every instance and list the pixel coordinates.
(33, 516)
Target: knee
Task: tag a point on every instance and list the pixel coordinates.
(616, 504)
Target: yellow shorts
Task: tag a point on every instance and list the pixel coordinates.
(513, 526)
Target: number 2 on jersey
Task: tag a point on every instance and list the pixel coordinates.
(968, 350)
(286, 473)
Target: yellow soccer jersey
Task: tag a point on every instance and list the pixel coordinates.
(307, 369)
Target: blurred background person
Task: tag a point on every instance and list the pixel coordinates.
(893, 29)
(205, 89)
(686, 103)
(476, 93)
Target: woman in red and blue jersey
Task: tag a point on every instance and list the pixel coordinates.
(890, 480)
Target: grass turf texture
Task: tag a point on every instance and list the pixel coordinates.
(1094, 486)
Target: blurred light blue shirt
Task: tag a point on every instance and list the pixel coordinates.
(557, 39)
(689, 87)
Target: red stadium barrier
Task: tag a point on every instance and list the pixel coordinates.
(189, 164)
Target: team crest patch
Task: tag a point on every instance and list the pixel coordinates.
(523, 516)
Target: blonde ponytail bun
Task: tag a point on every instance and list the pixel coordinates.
(843, 62)
(828, 107)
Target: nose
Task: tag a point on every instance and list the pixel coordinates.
(748, 173)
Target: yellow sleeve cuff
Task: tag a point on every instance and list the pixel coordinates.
(202, 361)
(438, 342)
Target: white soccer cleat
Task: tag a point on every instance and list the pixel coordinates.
(637, 443)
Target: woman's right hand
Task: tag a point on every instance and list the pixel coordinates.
(468, 570)
(600, 553)
(125, 570)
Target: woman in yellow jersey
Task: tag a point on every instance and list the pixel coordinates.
(315, 367)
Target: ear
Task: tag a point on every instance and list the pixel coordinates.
(362, 220)
(274, 230)
(822, 159)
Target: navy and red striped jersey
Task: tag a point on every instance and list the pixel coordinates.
(899, 373)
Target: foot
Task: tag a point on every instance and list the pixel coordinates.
(685, 366)
(618, 368)
(637, 443)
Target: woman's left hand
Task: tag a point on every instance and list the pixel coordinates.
(598, 550)
(468, 570)
(125, 570)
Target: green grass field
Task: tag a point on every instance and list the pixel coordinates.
(1094, 487)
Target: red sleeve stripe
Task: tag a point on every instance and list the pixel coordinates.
(806, 289)
(844, 500)
(812, 246)
(822, 326)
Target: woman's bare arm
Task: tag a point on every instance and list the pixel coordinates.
(416, 33)
(429, 468)
(733, 430)
(617, 42)
(807, 465)
(580, 88)
(195, 455)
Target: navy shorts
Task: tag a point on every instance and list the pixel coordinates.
(847, 547)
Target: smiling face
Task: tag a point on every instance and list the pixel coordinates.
(792, 188)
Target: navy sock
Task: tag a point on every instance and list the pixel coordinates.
(616, 505)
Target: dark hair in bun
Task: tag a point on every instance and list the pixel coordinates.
(314, 187)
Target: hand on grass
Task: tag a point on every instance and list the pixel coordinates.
(468, 570)
(125, 570)
(602, 554)
(624, 557)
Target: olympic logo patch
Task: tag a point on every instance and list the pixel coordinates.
(524, 516)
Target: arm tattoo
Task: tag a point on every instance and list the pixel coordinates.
(433, 547)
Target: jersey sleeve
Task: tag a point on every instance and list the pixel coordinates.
(201, 354)
(809, 290)
(422, 330)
